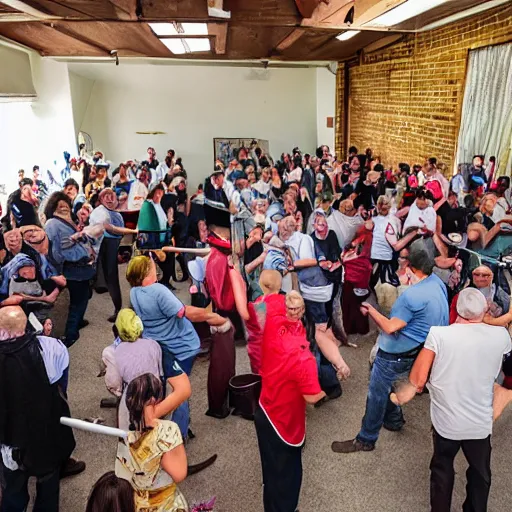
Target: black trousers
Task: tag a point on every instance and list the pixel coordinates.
(281, 466)
(79, 294)
(108, 258)
(15, 496)
(478, 455)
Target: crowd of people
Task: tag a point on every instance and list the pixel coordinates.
(292, 256)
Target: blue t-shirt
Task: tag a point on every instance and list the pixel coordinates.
(158, 309)
(422, 306)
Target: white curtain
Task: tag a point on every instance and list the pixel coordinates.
(486, 122)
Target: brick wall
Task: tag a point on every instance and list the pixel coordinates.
(339, 127)
(405, 100)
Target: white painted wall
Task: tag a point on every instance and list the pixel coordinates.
(81, 89)
(194, 104)
(37, 132)
(325, 106)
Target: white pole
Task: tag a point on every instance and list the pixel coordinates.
(93, 427)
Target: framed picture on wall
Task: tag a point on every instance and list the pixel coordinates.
(225, 149)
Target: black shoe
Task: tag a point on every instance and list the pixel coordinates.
(330, 396)
(190, 434)
(83, 323)
(109, 403)
(72, 467)
(351, 446)
(100, 290)
(394, 428)
(112, 318)
(196, 468)
(68, 341)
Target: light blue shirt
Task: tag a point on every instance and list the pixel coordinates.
(158, 309)
(422, 306)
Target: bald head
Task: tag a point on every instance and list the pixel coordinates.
(270, 281)
(13, 322)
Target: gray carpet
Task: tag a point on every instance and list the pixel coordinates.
(393, 478)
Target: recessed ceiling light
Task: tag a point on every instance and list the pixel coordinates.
(197, 45)
(175, 45)
(404, 12)
(344, 36)
(164, 29)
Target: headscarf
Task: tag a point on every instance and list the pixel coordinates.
(129, 325)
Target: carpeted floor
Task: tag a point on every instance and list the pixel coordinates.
(393, 478)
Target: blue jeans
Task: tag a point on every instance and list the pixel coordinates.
(79, 293)
(173, 368)
(387, 369)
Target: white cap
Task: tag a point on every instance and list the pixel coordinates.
(471, 304)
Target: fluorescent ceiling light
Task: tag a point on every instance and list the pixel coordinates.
(180, 46)
(344, 36)
(197, 45)
(404, 12)
(175, 29)
(175, 45)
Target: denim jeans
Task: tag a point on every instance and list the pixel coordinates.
(387, 369)
(15, 496)
(181, 415)
(173, 368)
(79, 293)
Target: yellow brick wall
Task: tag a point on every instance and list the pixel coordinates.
(340, 120)
(405, 100)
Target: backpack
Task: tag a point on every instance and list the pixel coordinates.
(412, 181)
(435, 188)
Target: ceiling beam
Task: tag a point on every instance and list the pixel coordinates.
(366, 10)
(326, 12)
(220, 31)
(290, 39)
(81, 38)
(125, 9)
(307, 7)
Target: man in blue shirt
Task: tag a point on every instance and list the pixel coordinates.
(422, 306)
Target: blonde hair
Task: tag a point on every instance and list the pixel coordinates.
(295, 306)
(138, 269)
(347, 205)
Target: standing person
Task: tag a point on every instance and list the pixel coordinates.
(23, 207)
(154, 220)
(40, 189)
(73, 256)
(402, 336)
(168, 321)
(289, 382)
(463, 361)
(32, 440)
(113, 223)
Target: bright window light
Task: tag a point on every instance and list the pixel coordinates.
(195, 29)
(404, 12)
(175, 45)
(197, 45)
(164, 29)
(175, 29)
(345, 36)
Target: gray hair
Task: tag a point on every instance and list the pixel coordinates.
(471, 304)
(420, 258)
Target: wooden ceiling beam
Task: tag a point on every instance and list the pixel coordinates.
(125, 9)
(326, 12)
(220, 31)
(82, 39)
(366, 10)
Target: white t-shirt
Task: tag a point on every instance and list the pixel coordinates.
(303, 248)
(468, 361)
(381, 250)
(344, 226)
(418, 218)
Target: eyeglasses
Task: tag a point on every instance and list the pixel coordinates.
(478, 274)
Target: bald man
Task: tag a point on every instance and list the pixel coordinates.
(32, 441)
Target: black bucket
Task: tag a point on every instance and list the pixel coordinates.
(244, 394)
